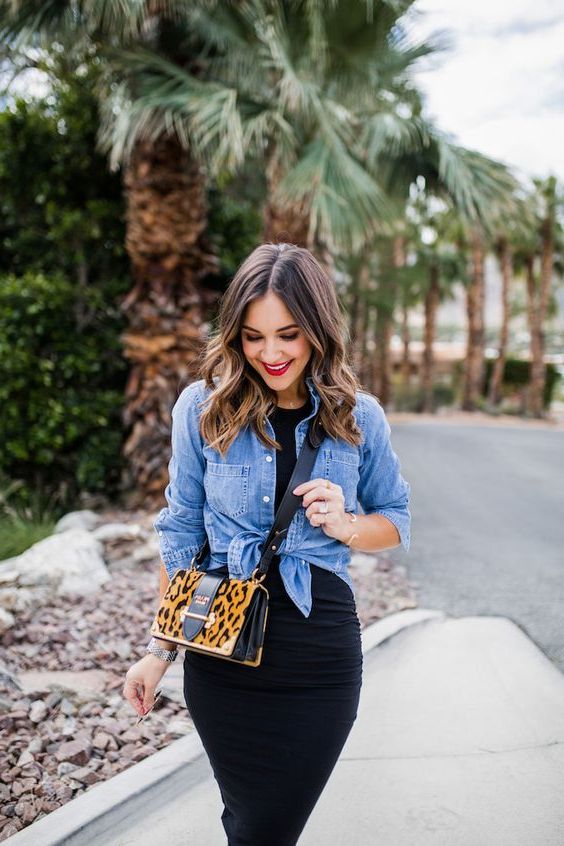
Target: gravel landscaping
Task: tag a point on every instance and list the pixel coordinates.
(64, 724)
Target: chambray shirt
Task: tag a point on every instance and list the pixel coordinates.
(232, 498)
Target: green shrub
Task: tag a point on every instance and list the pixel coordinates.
(516, 372)
(62, 387)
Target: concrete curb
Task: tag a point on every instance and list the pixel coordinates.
(125, 792)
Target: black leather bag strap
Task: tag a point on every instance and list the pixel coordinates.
(289, 503)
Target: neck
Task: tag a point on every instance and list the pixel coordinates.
(295, 399)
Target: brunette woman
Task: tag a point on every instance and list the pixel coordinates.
(274, 732)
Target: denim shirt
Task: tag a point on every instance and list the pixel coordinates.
(231, 499)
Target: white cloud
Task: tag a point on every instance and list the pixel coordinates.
(500, 88)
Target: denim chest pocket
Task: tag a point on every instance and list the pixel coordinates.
(227, 487)
(341, 466)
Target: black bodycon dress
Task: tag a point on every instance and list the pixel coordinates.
(273, 733)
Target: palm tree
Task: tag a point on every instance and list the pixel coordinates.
(509, 232)
(171, 257)
(437, 263)
(193, 91)
(539, 290)
(408, 150)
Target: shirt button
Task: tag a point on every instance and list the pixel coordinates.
(160, 533)
(268, 458)
(266, 499)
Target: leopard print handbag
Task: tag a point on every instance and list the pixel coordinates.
(224, 617)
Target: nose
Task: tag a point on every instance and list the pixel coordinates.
(271, 354)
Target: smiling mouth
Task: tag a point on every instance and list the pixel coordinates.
(277, 371)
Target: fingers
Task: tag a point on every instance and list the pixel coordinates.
(134, 693)
(149, 698)
(321, 491)
(334, 497)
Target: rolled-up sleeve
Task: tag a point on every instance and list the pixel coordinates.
(382, 488)
(180, 525)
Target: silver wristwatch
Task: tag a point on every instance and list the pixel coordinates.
(160, 651)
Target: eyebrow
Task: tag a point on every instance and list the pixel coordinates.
(290, 326)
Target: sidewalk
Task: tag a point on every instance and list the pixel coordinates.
(459, 741)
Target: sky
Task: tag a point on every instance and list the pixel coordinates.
(499, 88)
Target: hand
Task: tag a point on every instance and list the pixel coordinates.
(141, 681)
(334, 521)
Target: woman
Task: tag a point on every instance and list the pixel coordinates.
(273, 733)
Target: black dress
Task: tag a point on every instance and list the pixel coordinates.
(273, 733)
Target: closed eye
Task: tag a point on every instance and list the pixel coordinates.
(284, 338)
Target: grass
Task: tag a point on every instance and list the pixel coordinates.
(17, 534)
(26, 516)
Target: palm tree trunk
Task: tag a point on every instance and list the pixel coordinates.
(474, 369)
(381, 382)
(366, 329)
(383, 361)
(506, 263)
(167, 306)
(432, 298)
(538, 314)
(536, 373)
(405, 337)
(359, 315)
(282, 221)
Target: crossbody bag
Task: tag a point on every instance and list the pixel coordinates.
(224, 617)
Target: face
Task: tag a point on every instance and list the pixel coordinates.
(270, 336)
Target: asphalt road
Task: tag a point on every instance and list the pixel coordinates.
(487, 506)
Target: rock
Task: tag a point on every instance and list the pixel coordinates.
(86, 683)
(6, 723)
(83, 519)
(9, 679)
(24, 785)
(69, 562)
(148, 552)
(35, 745)
(7, 576)
(67, 707)
(65, 767)
(18, 599)
(25, 758)
(131, 734)
(75, 751)
(69, 727)
(64, 793)
(143, 752)
(7, 620)
(103, 741)
(27, 808)
(11, 828)
(38, 711)
(119, 531)
(33, 770)
(86, 775)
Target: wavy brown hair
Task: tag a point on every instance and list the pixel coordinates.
(238, 395)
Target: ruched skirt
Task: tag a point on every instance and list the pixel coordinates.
(273, 733)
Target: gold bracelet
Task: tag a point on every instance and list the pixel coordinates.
(354, 518)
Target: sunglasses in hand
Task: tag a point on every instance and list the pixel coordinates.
(148, 711)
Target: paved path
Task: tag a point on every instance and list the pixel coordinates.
(488, 523)
(459, 741)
